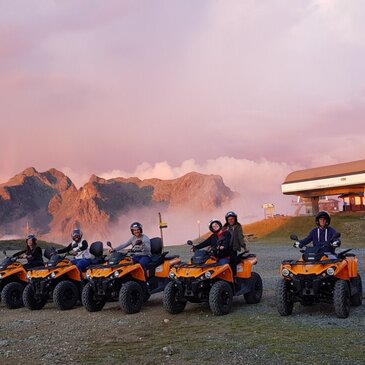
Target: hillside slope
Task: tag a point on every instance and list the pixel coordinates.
(277, 230)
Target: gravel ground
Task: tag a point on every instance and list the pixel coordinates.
(251, 334)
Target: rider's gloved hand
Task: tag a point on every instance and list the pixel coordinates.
(297, 244)
(336, 243)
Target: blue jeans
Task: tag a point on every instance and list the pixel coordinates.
(143, 261)
(81, 264)
(223, 261)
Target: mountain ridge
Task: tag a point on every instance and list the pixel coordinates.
(50, 202)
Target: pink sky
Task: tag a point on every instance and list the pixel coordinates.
(247, 89)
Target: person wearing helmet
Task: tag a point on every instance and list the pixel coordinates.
(321, 235)
(32, 252)
(219, 239)
(237, 238)
(141, 245)
(79, 249)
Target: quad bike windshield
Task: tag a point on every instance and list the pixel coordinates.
(200, 257)
(316, 253)
(55, 260)
(116, 257)
(6, 262)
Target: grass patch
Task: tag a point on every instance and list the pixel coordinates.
(20, 244)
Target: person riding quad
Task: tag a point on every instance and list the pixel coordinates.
(237, 239)
(79, 249)
(220, 239)
(322, 235)
(141, 246)
(32, 253)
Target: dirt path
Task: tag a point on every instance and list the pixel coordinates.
(251, 334)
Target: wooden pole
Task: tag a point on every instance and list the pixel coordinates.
(160, 221)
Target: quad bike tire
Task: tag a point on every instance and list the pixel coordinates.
(341, 298)
(284, 303)
(171, 301)
(220, 298)
(12, 295)
(356, 299)
(88, 299)
(31, 301)
(65, 295)
(255, 295)
(131, 297)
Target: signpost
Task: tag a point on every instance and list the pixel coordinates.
(162, 225)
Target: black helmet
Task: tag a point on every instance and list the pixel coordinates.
(76, 233)
(325, 215)
(136, 225)
(31, 237)
(231, 214)
(215, 221)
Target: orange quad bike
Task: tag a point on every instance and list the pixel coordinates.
(320, 275)
(13, 279)
(120, 279)
(59, 280)
(204, 280)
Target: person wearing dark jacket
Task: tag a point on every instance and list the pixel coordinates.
(32, 253)
(237, 238)
(322, 235)
(219, 239)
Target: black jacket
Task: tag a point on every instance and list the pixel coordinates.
(33, 256)
(212, 240)
(237, 240)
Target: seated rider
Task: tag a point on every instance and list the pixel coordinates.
(322, 235)
(237, 239)
(219, 239)
(141, 246)
(32, 253)
(79, 249)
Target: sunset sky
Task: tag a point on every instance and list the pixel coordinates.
(250, 90)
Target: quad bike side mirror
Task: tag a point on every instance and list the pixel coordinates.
(336, 236)
(189, 242)
(109, 244)
(294, 237)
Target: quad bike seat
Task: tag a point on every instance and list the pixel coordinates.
(157, 257)
(96, 249)
(244, 256)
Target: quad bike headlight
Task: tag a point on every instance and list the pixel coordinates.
(88, 276)
(28, 276)
(1, 276)
(330, 271)
(208, 275)
(172, 275)
(53, 275)
(285, 272)
(116, 274)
